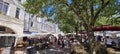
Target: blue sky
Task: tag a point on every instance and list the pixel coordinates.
(119, 0)
(69, 1)
(49, 9)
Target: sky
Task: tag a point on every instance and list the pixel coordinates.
(53, 16)
(119, 0)
(49, 12)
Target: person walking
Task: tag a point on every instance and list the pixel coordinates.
(67, 43)
(59, 44)
(62, 43)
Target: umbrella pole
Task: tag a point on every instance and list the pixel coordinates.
(16, 39)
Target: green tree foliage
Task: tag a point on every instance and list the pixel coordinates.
(70, 21)
(114, 20)
(102, 21)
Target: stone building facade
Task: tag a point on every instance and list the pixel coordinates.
(14, 19)
(10, 21)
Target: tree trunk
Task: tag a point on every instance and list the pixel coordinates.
(94, 46)
(90, 34)
(76, 30)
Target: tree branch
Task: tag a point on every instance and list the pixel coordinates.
(98, 12)
(102, 2)
(79, 15)
(85, 8)
(92, 10)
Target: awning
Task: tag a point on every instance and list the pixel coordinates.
(16, 35)
(107, 28)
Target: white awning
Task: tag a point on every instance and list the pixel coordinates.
(8, 35)
(22, 35)
(16, 35)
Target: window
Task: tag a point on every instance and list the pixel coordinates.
(32, 16)
(31, 24)
(41, 25)
(4, 6)
(1, 4)
(17, 12)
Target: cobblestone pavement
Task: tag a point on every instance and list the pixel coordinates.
(53, 50)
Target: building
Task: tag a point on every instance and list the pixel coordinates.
(14, 20)
(42, 26)
(11, 18)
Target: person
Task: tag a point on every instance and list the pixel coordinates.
(67, 43)
(72, 51)
(55, 39)
(109, 41)
(113, 43)
(59, 44)
(99, 38)
(118, 44)
(37, 47)
(12, 48)
(30, 40)
(62, 43)
(75, 42)
(86, 44)
(1, 49)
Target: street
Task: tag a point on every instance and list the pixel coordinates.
(54, 50)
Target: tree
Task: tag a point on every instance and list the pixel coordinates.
(103, 21)
(87, 11)
(71, 23)
(115, 20)
(108, 21)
